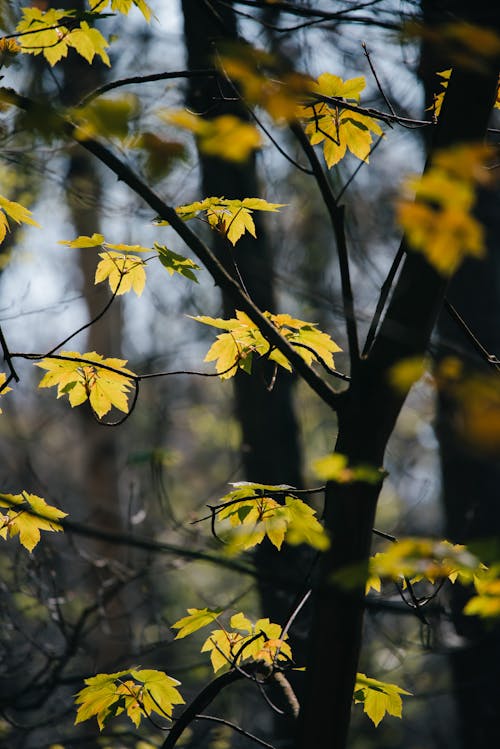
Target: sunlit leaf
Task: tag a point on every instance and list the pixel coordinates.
(27, 515)
(259, 641)
(3, 388)
(53, 32)
(231, 218)
(196, 619)
(250, 512)
(122, 6)
(335, 467)
(146, 692)
(237, 347)
(338, 128)
(94, 241)
(226, 136)
(15, 211)
(378, 698)
(124, 272)
(425, 558)
(80, 380)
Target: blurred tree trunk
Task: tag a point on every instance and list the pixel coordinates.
(270, 448)
(101, 477)
(470, 479)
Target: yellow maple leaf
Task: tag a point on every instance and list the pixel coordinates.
(252, 512)
(265, 81)
(378, 698)
(42, 32)
(3, 388)
(104, 382)
(230, 217)
(338, 128)
(226, 136)
(89, 42)
(124, 272)
(244, 339)
(27, 515)
(439, 222)
(147, 691)
(122, 6)
(260, 641)
(15, 211)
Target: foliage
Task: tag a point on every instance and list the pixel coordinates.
(378, 698)
(104, 382)
(437, 215)
(27, 515)
(244, 341)
(259, 641)
(225, 136)
(108, 695)
(337, 127)
(52, 32)
(15, 211)
(124, 270)
(230, 218)
(439, 221)
(253, 511)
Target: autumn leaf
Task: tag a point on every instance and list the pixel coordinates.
(231, 218)
(259, 641)
(237, 347)
(378, 698)
(265, 81)
(108, 117)
(89, 42)
(338, 128)
(122, 6)
(53, 32)
(438, 222)
(15, 211)
(104, 382)
(196, 619)
(124, 272)
(250, 512)
(3, 387)
(84, 241)
(419, 558)
(27, 515)
(486, 602)
(146, 692)
(226, 136)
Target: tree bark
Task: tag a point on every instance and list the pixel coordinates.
(367, 418)
(470, 478)
(270, 435)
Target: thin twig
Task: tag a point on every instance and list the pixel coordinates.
(140, 79)
(384, 294)
(491, 359)
(336, 213)
(236, 728)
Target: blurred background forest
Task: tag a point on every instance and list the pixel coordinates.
(80, 604)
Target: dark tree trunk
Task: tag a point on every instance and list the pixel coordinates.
(270, 445)
(367, 418)
(470, 478)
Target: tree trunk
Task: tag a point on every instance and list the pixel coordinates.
(470, 479)
(270, 436)
(367, 418)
